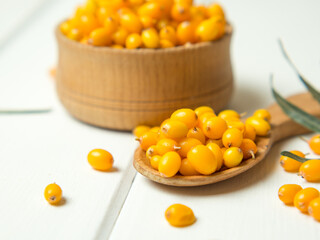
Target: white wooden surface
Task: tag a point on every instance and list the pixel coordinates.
(39, 149)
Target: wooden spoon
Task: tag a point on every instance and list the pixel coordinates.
(282, 127)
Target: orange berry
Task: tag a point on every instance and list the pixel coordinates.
(151, 9)
(304, 197)
(148, 139)
(229, 114)
(314, 144)
(249, 132)
(151, 151)
(287, 193)
(261, 126)
(310, 170)
(216, 141)
(263, 113)
(180, 12)
(140, 130)
(314, 208)
(169, 164)
(187, 144)
(166, 145)
(133, 41)
(203, 109)
(249, 148)
(154, 161)
(131, 22)
(174, 129)
(75, 34)
(186, 33)
(202, 160)
(100, 37)
(215, 149)
(150, 38)
(179, 215)
(100, 159)
(147, 22)
(120, 36)
(208, 30)
(186, 168)
(166, 43)
(168, 33)
(289, 164)
(232, 157)
(197, 133)
(232, 137)
(215, 10)
(86, 23)
(215, 127)
(185, 115)
(53, 193)
(111, 24)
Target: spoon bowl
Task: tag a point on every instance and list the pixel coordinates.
(282, 127)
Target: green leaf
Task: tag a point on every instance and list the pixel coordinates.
(24, 111)
(293, 156)
(295, 113)
(311, 89)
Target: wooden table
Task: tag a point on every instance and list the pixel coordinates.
(38, 149)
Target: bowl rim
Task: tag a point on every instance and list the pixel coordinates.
(190, 47)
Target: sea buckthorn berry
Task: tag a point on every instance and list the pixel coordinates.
(186, 168)
(116, 4)
(215, 127)
(304, 197)
(75, 34)
(289, 164)
(198, 13)
(131, 22)
(223, 150)
(249, 132)
(232, 137)
(310, 170)
(229, 114)
(202, 160)
(174, 129)
(166, 5)
(136, 2)
(314, 208)
(186, 33)
(261, 126)
(204, 118)
(215, 10)
(53, 193)
(111, 24)
(100, 37)
(151, 9)
(179, 215)
(197, 133)
(162, 23)
(150, 38)
(151, 151)
(208, 30)
(287, 193)
(86, 23)
(166, 43)
(133, 41)
(186, 2)
(125, 10)
(180, 12)
(314, 144)
(203, 109)
(103, 13)
(263, 113)
(120, 36)
(219, 20)
(215, 149)
(100, 159)
(117, 46)
(65, 27)
(168, 33)
(147, 22)
(236, 124)
(187, 144)
(249, 148)
(216, 141)
(166, 145)
(169, 164)
(154, 161)
(148, 139)
(155, 129)
(185, 115)
(232, 157)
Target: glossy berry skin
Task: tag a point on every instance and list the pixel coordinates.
(75, 34)
(179, 215)
(154, 161)
(166, 145)
(229, 114)
(100, 159)
(140, 130)
(197, 133)
(169, 164)
(261, 126)
(150, 38)
(289, 164)
(185, 115)
(236, 124)
(131, 22)
(65, 27)
(186, 33)
(203, 109)
(249, 132)
(215, 10)
(53, 193)
(314, 208)
(248, 148)
(216, 141)
(174, 129)
(232, 137)
(215, 149)
(119, 37)
(215, 127)
(151, 9)
(310, 170)
(204, 118)
(314, 144)
(180, 12)
(232, 157)
(100, 37)
(166, 43)
(168, 33)
(147, 22)
(186, 168)
(202, 160)
(133, 41)
(287, 193)
(111, 23)
(187, 144)
(151, 151)
(86, 23)
(263, 113)
(208, 30)
(304, 197)
(148, 139)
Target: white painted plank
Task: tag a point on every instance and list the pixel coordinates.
(247, 206)
(40, 149)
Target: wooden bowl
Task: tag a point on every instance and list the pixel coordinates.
(121, 88)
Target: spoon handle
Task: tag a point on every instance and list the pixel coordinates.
(283, 126)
